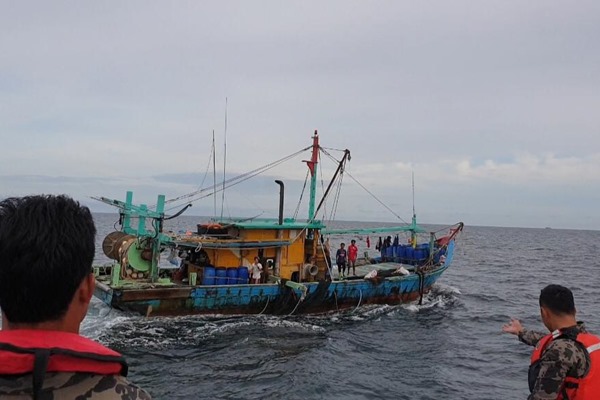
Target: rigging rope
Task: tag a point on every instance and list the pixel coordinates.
(336, 198)
(323, 189)
(199, 194)
(377, 199)
(367, 190)
(301, 195)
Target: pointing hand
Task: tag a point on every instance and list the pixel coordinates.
(514, 327)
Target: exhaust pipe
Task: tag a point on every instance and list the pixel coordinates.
(280, 183)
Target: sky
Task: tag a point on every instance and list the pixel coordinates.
(493, 106)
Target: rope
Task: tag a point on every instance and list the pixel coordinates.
(367, 190)
(199, 194)
(297, 304)
(336, 199)
(359, 300)
(376, 199)
(301, 195)
(266, 305)
(326, 263)
(323, 189)
(337, 309)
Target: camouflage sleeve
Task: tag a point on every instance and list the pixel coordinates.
(530, 337)
(103, 387)
(127, 390)
(556, 361)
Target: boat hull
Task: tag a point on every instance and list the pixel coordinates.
(317, 297)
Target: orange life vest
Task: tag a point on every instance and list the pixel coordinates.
(36, 352)
(582, 388)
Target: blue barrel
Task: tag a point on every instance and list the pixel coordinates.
(395, 251)
(232, 276)
(389, 252)
(402, 253)
(410, 255)
(221, 278)
(424, 252)
(209, 275)
(419, 255)
(243, 274)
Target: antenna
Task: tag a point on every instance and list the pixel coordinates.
(214, 175)
(413, 191)
(224, 160)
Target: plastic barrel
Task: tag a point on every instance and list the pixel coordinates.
(243, 274)
(423, 252)
(221, 278)
(209, 275)
(232, 276)
(410, 255)
(419, 255)
(396, 253)
(389, 252)
(402, 254)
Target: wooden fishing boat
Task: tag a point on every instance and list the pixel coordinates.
(211, 272)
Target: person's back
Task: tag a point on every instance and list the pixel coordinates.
(565, 363)
(46, 284)
(72, 385)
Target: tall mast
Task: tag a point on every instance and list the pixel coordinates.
(224, 161)
(214, 175)
(312, 166)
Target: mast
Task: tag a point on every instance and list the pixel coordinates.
(413, 232)
(224, 161)
(214, 175)
(312, 166)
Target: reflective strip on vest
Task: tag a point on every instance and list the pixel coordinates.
(593, 348)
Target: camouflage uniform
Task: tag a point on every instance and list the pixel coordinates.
(562, 358)
(69, 385)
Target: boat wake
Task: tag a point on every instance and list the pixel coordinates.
(123, 330)
(440, 296)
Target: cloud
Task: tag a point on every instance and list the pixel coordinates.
(493, 105)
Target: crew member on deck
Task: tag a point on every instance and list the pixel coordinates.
(352, 256)
(256, 270)
(565, 363)
(341, 257)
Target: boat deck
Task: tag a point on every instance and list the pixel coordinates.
(384, 268)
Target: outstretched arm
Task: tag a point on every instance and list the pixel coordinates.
(514, 327)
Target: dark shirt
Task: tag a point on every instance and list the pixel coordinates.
(340, 256)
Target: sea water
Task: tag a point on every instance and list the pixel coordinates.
(450, 347)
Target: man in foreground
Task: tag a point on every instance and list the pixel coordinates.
(46, 285)
(565, 363)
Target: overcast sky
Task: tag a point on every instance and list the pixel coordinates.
(494, 105)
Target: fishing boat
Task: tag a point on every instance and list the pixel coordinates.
(207, 270)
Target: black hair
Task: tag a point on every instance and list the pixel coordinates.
(558, 299)
(47, 246)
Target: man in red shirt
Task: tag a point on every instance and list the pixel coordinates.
(352, 256)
